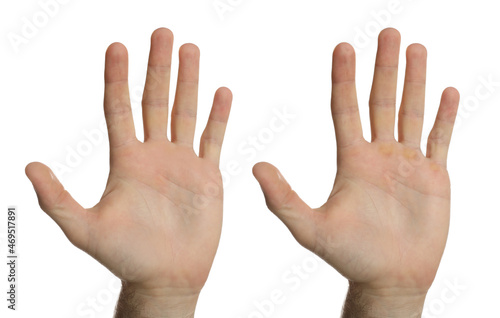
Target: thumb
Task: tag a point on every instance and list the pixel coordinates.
(58, 204)
(286, 204)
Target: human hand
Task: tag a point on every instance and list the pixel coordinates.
(158, 223)
(384, 226)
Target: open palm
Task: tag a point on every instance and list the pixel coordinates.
(159, 220)
(385, 224)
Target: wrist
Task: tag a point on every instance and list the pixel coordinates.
(137, 302)
(365, 302)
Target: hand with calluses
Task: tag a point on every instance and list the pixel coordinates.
(385, 224)
(158, 223)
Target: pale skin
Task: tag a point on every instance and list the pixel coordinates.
(158, 223)
(385, 224)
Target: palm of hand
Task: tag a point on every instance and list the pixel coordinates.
(383, 223)
(160, 216)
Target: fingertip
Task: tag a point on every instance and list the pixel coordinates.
(452, 94)
(416, 51)
(36, 171)
(116, 66)
(389, 41)
(30, 168)
(268, 176)
(224, 92)
(222, 105)
(390, 34)
(44, 183)
(162, 34)
(162, 41)
(260, 168)
(343, 64)
(449, 104)
(117, 50)
(224, 97)
(190, 51)
(343, 50)
(255, 169)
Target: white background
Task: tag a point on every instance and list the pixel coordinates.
(274, 55)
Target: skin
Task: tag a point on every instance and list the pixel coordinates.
(158, 223)
(384, 226)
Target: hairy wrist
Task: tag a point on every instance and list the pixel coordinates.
(363, 302)
(136, 302)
